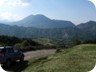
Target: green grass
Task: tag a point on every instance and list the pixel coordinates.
(44, 41)
(81, 58)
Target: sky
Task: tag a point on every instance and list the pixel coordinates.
(76, 11)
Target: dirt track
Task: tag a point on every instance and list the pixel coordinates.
(38, 53)
(19, 66)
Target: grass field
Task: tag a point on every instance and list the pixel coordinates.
(81, 58)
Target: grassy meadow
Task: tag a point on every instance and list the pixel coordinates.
(81, 58)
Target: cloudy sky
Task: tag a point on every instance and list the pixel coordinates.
(77, 11)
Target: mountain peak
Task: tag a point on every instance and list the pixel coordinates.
(87, 25)
(38, 17)
(41, 21)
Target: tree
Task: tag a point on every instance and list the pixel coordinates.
(25, 43)
(77, 42)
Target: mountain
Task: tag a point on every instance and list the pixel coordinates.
(91, 25)
(30, 32)
(41, 21)
(69, 33)
(89, 28)
(84, 31)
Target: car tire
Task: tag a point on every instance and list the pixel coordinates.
(22, 58)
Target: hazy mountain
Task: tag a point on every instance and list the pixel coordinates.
(89, 27)
(84, 31)
(68, 33)
(30, 32)
(41, 21)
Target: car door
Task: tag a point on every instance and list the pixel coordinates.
(11, 54)
(17, 53)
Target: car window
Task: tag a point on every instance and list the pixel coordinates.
(10, 50)
(15, 50)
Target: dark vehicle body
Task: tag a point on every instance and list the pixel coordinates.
(9, 54)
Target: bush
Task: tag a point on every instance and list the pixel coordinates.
(58, 50)
(25, 43)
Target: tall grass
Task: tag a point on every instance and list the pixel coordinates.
(81, 58)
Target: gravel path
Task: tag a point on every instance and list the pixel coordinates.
(38, 53)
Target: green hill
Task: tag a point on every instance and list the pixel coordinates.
(81, 58)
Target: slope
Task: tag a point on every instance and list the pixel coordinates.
(89, 28)
(80, 58)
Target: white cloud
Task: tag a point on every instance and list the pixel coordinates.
(18, 3)
(14, 3)
(7, 8)
(2, 2)
(9, 16)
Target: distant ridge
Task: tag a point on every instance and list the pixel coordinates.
(87, 25)
(85, 31)
(41, 21)
(40, 26)
(89, 28)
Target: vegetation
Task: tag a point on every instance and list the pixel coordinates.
(12, 40)
(81, 58)
(22, 43)
(45, 41)
(26, 44)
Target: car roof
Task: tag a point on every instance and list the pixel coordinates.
(6, 47)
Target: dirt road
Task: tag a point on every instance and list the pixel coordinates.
(38, 53)
(20, 66)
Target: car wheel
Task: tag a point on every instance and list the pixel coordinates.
(22, 58)
(8, 63)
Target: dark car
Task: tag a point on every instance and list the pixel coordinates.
(9, 54)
